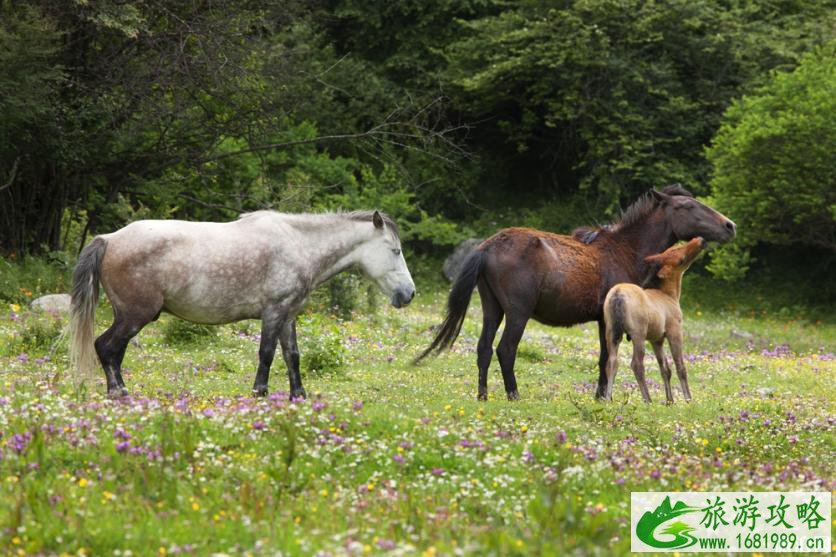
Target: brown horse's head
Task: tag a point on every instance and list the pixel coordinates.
(676, 260)
(690, 218)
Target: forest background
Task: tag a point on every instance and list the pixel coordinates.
(456, 117)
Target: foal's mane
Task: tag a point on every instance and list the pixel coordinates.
(359, 216)
(637, 212)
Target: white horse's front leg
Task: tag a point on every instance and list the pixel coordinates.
(290, 351)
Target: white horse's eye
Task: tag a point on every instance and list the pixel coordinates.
(396, 251)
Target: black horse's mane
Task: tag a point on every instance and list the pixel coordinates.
(637, 212)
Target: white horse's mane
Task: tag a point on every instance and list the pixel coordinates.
(360, 216)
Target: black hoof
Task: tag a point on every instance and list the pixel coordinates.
(482, 396)
(260, 390)
(117, 392)
(513, 395)
(298, 393)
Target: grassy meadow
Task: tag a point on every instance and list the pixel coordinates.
(387, 458)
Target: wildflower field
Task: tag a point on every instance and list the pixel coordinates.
(385, 457)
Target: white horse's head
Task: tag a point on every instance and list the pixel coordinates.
(381, 260)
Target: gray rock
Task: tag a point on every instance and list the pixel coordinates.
(742, 334)
(453, 263)
(53, 303)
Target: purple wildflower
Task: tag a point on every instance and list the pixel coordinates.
(19, 441)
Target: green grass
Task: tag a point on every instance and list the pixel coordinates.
(386, 457)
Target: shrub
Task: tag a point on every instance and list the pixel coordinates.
(22, 281)
(321, 346)
(773, 164)
(34, 333)
(179, 331)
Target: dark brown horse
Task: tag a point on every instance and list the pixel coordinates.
(562, 280)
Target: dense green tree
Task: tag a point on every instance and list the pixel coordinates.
(177, 109)
(774, 166)
(617, 95)
(528, 112)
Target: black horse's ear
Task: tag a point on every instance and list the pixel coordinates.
(377, 220)
(659, 196)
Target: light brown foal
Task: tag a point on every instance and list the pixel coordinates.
(652, 315)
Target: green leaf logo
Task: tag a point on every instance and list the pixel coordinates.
(679, 530)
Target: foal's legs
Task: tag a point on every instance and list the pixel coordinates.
(664, 367)
(638, 366)
(675, 342)
(611, 365)
(506, 352)
(111, 345)
(491, 317)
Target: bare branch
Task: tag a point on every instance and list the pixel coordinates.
(12, 175)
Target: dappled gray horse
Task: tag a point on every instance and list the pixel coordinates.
(262, 266)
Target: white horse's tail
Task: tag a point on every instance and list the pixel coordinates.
(85, 297)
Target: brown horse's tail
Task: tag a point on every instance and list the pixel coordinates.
(85, 297)
(457, 303)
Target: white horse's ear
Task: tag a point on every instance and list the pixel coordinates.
(377, 220)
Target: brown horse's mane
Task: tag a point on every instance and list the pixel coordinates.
(637, 212)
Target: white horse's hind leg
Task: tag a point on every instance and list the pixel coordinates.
(270, 327)
(111, 345)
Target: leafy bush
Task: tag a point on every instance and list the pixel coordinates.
(320, 345)
(179, 331)
(345, 292)
(35, 332)
(385, 191)
(773, 164)
(22, 281)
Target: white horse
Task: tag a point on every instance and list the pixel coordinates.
(262, 266)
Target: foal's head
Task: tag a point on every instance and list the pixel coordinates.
(382, 261)
(676, 260)
(689, 218)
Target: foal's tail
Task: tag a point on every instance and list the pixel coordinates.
(615, 315)
(85, 296)
(457, 303)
